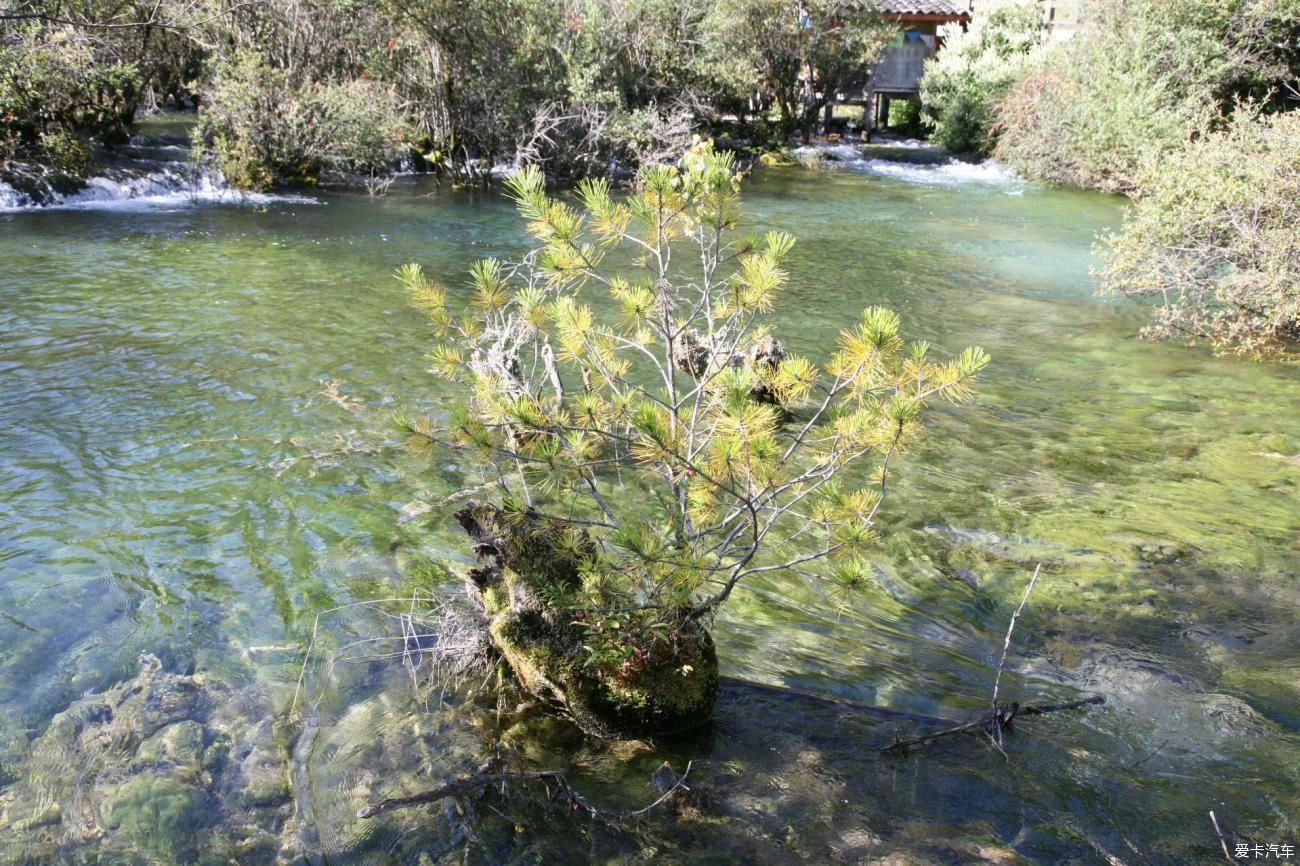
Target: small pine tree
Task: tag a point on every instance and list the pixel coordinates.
(673, 449)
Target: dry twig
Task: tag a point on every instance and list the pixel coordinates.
(1006, 647)
(1002, 716)
(478, 781)
(1222, 842)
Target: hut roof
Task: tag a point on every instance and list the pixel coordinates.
(948, 9)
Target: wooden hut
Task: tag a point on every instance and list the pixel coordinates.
(898, 74)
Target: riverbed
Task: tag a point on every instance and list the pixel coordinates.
(197, 469)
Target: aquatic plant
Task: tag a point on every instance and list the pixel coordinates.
(653, 444)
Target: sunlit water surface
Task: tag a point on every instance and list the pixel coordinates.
(194, 463)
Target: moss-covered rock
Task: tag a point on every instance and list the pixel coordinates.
(653, 672)
(158, 815)
(141, 773)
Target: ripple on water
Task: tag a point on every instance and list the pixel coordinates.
(194, 454)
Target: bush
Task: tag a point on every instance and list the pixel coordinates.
(266, 128)
(793, 57)
(655, 444)
(905, 115)
(1141, 78)
(964, 82)
(1213, 235)
(578, 88)
(54, 94)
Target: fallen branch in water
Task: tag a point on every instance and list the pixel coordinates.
(997, 720)
(1006, 647)
(478, 781)
(1222, 842)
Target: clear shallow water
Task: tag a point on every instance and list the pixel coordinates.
(194, 464)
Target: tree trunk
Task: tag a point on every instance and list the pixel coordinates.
(643, 681)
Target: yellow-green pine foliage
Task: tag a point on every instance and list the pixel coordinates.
(623, 374)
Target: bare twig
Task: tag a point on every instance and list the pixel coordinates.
(1000, 718)
(1006, 647)
(1006, 644)
(1222, 842)
(1151, 755)
(478, 781)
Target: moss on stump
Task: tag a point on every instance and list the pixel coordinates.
(648, 683)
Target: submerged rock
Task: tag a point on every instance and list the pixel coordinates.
(144, 773)
(663, 686)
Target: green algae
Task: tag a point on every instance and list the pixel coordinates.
(158, 816)
(142, 773)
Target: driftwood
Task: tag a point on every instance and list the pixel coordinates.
(663, 779)
(1007, 712)
(667, 782)
(999, 717)
(996, 721)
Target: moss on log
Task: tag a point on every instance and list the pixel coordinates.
(527, 562)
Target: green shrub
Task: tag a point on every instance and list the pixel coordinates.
(1213, 236)
(65, 153)
(54, 94)
(1141, 78)
(905, 114)
(264, 127)
(655, 444)
(790, 59)
(964, 82)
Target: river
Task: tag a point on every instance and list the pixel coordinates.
(195, 464)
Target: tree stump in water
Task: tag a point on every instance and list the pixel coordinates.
(652, 682)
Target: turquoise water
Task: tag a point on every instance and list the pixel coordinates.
(195, 463)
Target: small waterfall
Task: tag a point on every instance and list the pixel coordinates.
(158, 176)
(918, 162)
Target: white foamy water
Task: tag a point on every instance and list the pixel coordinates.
(954, 172)
(942, 172)
(833, 152)
(159, 189)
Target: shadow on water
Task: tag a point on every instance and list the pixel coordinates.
(195, 463)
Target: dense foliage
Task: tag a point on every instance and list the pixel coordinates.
(53, 91)
(572, 87)
(621, 381)
(1144, 77)
(769, 44)
(297, 91)
(1214, 237)
(74, 73)
(266, 128)
(964, 83)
